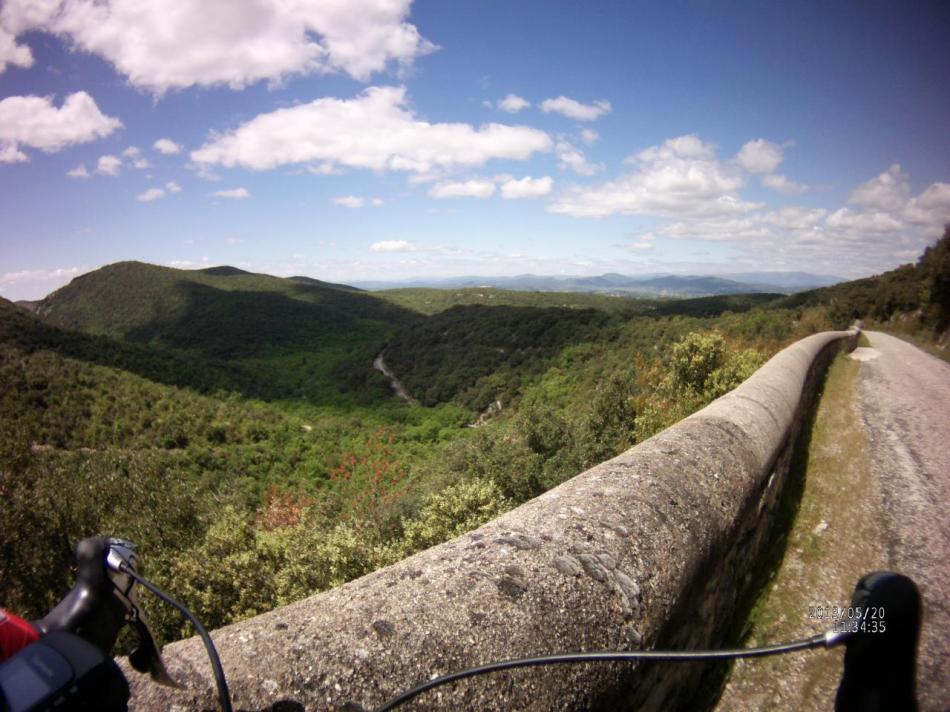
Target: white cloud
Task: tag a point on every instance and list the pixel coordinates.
(149, 195)
(569, 156)
(356, 201)
(232, 194)
(172, 187)
(679, 178)
(475, 188)
(931, 208)
(889, 191)
(12, 53)
(109, 165)
(513, 103)
(167, 146)
(376, 130)
(324, 169)
(877, 222)
(392, 246)
(526, 187)
(214, 42)
(589, 136)
(717, 228)
(36, 283)
(574, 109)
(35, 122)
(79, 172)
(135, 157)
(760, 156)
(794, 218)
(777, 181)
(350, 201)
(9, 153)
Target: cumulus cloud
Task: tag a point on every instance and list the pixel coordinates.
(109, 165)
(350, 201)
(376, 130)
(877, 222)
(931, 208)
(795, 218)
(589, 136)
(167, 146)
(79, 172)
(526, 187)
(475, 188)
(9, 153)
(884, 227)
(777, 181)
(172, 187)
(760, 156)
(889, 191)
(35, 122)
(680, 177)
(149, 195)
(35, 283)
(573, 109)
(232, 194)
(216, 42)
(135, 157)
(513, 103)
(571, 157)
(12, 53)
(392, 246)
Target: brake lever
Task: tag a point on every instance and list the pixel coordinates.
(147, 656)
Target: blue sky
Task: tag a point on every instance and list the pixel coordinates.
(385, 139)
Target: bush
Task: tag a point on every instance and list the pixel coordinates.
(695, 358)
(447, 514)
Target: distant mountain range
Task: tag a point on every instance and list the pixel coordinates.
(639, 285)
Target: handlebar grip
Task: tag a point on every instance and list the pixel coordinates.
(91, 609)
(880, 663)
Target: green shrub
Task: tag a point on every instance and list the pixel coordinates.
(447, 514)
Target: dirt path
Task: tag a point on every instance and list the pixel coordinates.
(828, 548)
(398, 388)
(904, 399)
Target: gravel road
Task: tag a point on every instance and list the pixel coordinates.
(904, 401)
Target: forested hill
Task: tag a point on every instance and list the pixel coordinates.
(916, 295)
(221, 311)
(131, 404)
(220, 329)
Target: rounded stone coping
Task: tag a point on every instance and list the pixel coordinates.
(600, 562)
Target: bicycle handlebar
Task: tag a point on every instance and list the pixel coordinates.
(103, 600)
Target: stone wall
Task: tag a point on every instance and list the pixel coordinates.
(650, 549)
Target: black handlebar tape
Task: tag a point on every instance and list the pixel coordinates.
(880, 662)
(91, 609)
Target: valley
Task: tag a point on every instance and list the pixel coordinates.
(234, 424)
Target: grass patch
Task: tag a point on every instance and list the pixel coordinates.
(833, 540)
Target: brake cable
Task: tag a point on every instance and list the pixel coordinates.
(824, 640)
(224, 697)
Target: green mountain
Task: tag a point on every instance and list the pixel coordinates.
(266, 336)
(220, 311)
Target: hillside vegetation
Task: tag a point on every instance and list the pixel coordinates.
(914, 298)
(254, 471)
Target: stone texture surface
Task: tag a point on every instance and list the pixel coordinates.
(904, 397)
(649, 549)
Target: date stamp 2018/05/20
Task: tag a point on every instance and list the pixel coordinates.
(851, 619)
